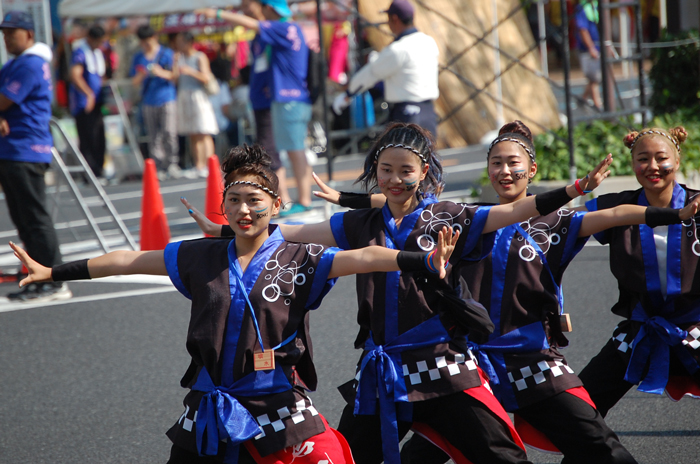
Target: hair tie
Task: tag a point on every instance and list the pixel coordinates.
(651, 131)
(400, 145)
(252, 184)
(530, 153)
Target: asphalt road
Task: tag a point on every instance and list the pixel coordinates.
(96, 379)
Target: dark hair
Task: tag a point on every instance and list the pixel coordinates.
(519, 131)
(96, 32)
(415, 137)
(187, 36)
(145, 32)
(249, 160)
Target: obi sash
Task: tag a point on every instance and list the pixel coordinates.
(381, 381)
(531, 337)
(652, 346)
(222, 417)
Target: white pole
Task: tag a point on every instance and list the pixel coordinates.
(624, 40)
(500, 119)
(543, 37)
(663, 18)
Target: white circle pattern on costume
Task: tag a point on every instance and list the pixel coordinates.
(693, 231)
(434, 222)
(288, 276)
(543, 234)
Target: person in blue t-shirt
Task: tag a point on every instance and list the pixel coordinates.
(291, 105)
(86, 72)
(25, 147)
(152, 70)
(588, 45)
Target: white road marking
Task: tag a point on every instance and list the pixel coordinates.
(9, 307)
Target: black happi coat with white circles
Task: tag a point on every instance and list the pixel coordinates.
(283, 282)
(634, 263)
(393, 303)
(519, 283)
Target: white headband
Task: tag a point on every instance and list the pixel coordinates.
(252, 184)
(648, 132)
(530, 153)
(400, 145)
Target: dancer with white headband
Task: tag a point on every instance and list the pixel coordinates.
(248, 335)
(657, 346)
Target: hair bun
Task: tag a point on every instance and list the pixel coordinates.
(246, 155)
(516, 127)
(679, 133)
(629, 139)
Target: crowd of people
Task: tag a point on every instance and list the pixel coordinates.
(460, 306)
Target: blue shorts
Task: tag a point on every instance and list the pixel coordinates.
(289, 123)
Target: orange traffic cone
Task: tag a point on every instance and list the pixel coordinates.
(155, 233)
(215, 192)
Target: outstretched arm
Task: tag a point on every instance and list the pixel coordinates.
(236, 19)
(114, 263)
(521, 210)
(625, 215)
(332, 195)
(380, 259)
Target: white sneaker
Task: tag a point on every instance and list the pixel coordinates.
(174, 172)
(38, 293)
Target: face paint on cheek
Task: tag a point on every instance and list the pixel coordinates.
(517, 175)
(494, 177)
(381, 182)
(411, 185)
(260, 210)
(639, 170)
(260, 216)
(666, 169)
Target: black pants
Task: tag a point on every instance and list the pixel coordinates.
(462, 420)
(91, 137)
(421, 113)
(25, 193)
(263, 131)
(604, 376)
(572, 425)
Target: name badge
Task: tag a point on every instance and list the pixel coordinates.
(264, 361)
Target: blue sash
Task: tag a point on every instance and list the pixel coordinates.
(222, 417)
(652, 346)
(381, 377)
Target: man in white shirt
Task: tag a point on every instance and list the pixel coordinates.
(409, 68)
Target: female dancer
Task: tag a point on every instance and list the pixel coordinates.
(519, 283)
(657, 346)
(415, 354)
(248, 334)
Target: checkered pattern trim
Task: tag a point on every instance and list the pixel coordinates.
(536, 373)
(296, 414)
(429, 370)
(693, 339)
(621, 341)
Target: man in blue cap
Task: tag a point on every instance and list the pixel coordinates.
(409, 68)
(288, 64)
(25, 148)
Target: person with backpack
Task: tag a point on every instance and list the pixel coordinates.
(282, 50)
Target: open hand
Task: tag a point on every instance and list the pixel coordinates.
(690, 210)
(327, 193)
(207, 226)
(447, 239)
(597, 175)
(37, 272)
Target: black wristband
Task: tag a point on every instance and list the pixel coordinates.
(411, 261)
(76, 270)
(227, 231)
(355, 200)
(655, 216)
(548, 202)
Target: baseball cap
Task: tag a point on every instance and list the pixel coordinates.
(17, 20)
(280, 6)
(401, 8)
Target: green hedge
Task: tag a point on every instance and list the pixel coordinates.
(675, 74)
(594, 140)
